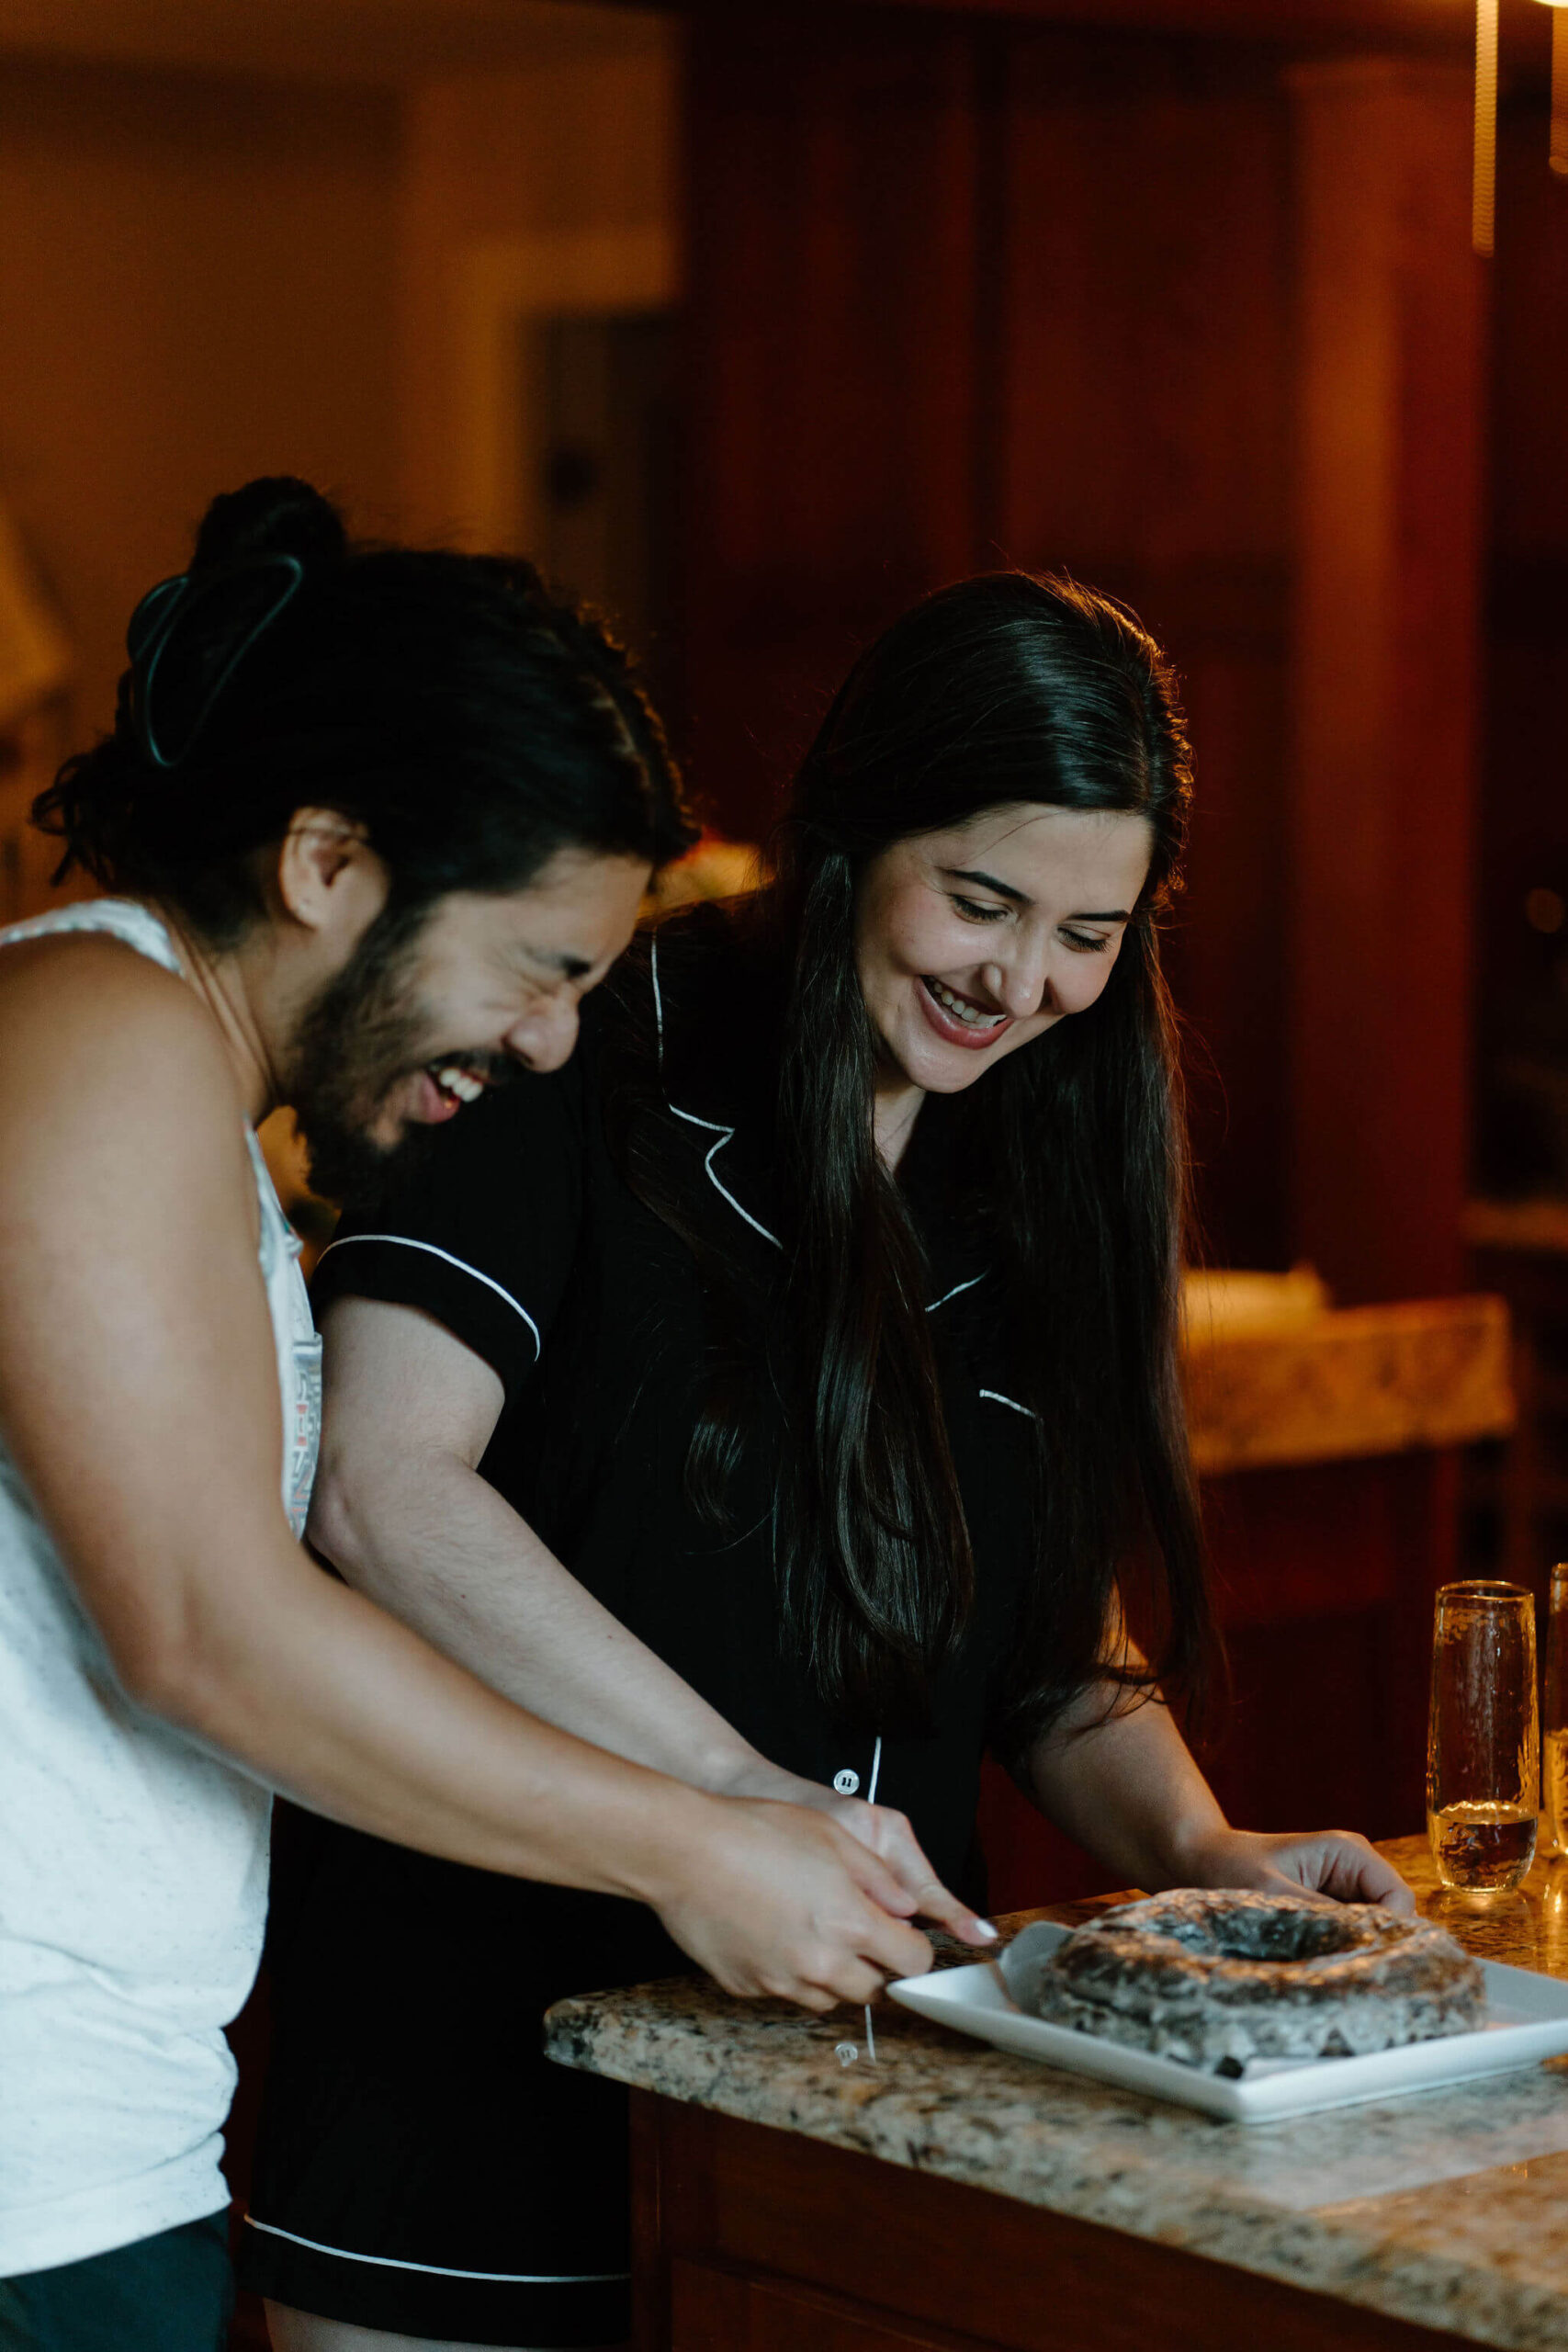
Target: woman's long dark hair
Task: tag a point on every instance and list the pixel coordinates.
(1002, 689)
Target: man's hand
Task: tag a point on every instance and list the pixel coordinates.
(777, 1899)
(1336, 1863)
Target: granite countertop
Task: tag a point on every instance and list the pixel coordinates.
(1448, 2208)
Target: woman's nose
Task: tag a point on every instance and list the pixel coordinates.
(542, 1037)
(1023, 986)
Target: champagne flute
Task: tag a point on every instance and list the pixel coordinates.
(1483, 1741)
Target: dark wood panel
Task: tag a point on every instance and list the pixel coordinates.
(715, 2310)
(895, 2249)
(831, 181)
(1522, 1129)
(1145, 366)
(1143, 396)
(1226, 948)
(1392, 313)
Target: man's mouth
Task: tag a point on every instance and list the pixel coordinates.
(947, 1010)
(443, 1087)
(454, 1082)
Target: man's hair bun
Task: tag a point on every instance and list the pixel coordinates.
(274, 516)
(471, 722)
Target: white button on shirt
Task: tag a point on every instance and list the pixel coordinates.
(846, 1782)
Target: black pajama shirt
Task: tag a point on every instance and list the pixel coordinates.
(422, 2167)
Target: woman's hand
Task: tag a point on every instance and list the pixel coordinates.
(887, 1833)
(894, 1842)
(778, 1899)
(1334, 1863)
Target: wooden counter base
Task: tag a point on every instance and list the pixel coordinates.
(748, 2239)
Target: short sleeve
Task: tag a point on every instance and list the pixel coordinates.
(483, 1236)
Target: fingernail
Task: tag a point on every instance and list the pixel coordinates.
(987, 1930)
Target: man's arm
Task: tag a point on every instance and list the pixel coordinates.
(138, 1401)
(401, 1509)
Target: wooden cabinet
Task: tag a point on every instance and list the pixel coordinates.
(754, 2240)
(710, 2305)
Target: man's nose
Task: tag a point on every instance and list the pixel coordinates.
(543, 1038)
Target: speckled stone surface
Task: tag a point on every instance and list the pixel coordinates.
(1450, 2209)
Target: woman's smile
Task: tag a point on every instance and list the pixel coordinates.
(959, 1019)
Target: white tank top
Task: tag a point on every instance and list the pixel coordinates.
(132, 1864)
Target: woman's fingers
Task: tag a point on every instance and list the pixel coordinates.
(889, 1835)
(1337, 1864)
(890, 1938)
(851, 1961)
(778, 1900)
(874, 1873)
(852, 1980)
(945, 1910)
(1354, 1871)
(894, 1948)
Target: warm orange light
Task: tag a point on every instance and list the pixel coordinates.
(1559, 87)
(1483, 188)
(1484, 201)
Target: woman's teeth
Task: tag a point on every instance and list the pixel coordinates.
(460, 1082)
(962, 1009)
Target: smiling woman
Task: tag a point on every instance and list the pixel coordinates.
(1024, 879)
(968, 883)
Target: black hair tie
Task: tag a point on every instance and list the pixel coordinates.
(176, 607)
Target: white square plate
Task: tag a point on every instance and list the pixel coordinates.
(1526, 2020)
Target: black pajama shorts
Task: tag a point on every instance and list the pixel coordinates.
(421, 2166)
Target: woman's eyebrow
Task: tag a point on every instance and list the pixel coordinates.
(987, 882)
(1005, 890)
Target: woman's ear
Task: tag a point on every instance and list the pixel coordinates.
(328, 877)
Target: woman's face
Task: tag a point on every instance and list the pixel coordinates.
(972, 942)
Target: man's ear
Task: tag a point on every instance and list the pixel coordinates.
(328, 876)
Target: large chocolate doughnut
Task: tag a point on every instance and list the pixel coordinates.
(1216, 1977)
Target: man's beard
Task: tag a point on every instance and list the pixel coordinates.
(355, 1040)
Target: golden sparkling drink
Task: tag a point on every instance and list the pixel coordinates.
(1485, 1848)
(1484, 1736)
(1555, 1728)
(1554, 1790)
